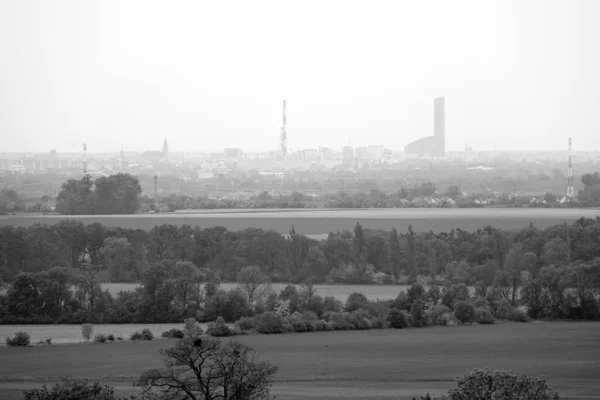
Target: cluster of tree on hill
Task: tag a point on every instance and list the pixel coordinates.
(55, 271)
(115, 194)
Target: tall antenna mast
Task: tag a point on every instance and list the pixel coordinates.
(283, 137)
(570, 191)
(84, 159)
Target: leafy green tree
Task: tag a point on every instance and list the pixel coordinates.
(487, 384)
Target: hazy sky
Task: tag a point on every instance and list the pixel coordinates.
(212, 74)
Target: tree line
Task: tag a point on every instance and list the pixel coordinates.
(54, 272)
(115, 194)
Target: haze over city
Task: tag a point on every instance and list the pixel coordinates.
(515, 75)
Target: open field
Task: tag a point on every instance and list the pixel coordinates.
(380, 364)
(340, 292)
(321, 221)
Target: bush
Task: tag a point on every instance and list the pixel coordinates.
(485, 384)
(270, 323)
(299, 325)
(398, 319)
(100, 338)
(21, 339)
(191, 329)
(218, 328)
(484, 316)
(504, 309)
(417, 311)
(110, 337)
(355, 301)
(327, 326)
(173, 333)
(71, 389)
(438, 315)
(145, 334)
(464, 312)
(87, 330)
(246, 323)
(309, 316)
(518, 315)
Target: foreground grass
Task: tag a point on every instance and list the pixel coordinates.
(379, 364)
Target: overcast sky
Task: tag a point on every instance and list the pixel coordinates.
(521, 75)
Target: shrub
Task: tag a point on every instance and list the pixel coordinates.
(327, 326)
(270, 323)
(518, 315)
(48, 342)
(71, 389)
(191, 328)
(309, 316)
(484, 316)
(438, 315)
(87, 330)
(100, 338)
(398, 319)
(336, 318)
(486, 384)
(287, 328)
(145, 334)
(110, 337)
(246, 323)
(21, 339)
(299, 325)
(355, 301)
(173, 333)
(464, 312)
(504, 309)
(417, 311)
(319, 325)
(331, 304)
(218, 328)
(310, 326)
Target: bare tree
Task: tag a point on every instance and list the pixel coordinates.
(254, 283)
(203, 369)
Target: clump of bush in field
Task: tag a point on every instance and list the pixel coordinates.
(487, 384)
(145, 334)
(191, 328)
(218, 328)
(100, 338)
(87, 330)
(398, 319)
(438, 315)
(21, 339)
(417, 311)
(464, 312)
(110, 337)
(71, 389)
(504, 309)
(518, 315)
(484, 316)
(270, 323)
(173, 333)
(48, 342)
(246, 323)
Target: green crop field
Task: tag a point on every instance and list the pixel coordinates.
(378, 364)
(324, 221)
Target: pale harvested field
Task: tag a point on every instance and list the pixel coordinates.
(324, 221)
(380, 364)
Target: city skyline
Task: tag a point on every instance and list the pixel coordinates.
(86, 75)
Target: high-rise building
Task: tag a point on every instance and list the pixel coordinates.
(439, 126)
(432, 145)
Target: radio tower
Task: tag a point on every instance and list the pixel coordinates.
(283, 137)
(84, 159)
(570, 174)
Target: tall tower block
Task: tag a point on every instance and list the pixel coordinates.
(570, 191)
(84, 159)
(283, 137)
(439, 128)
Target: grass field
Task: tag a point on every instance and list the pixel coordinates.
(380, 364)
(324, 221)
(340, 292)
